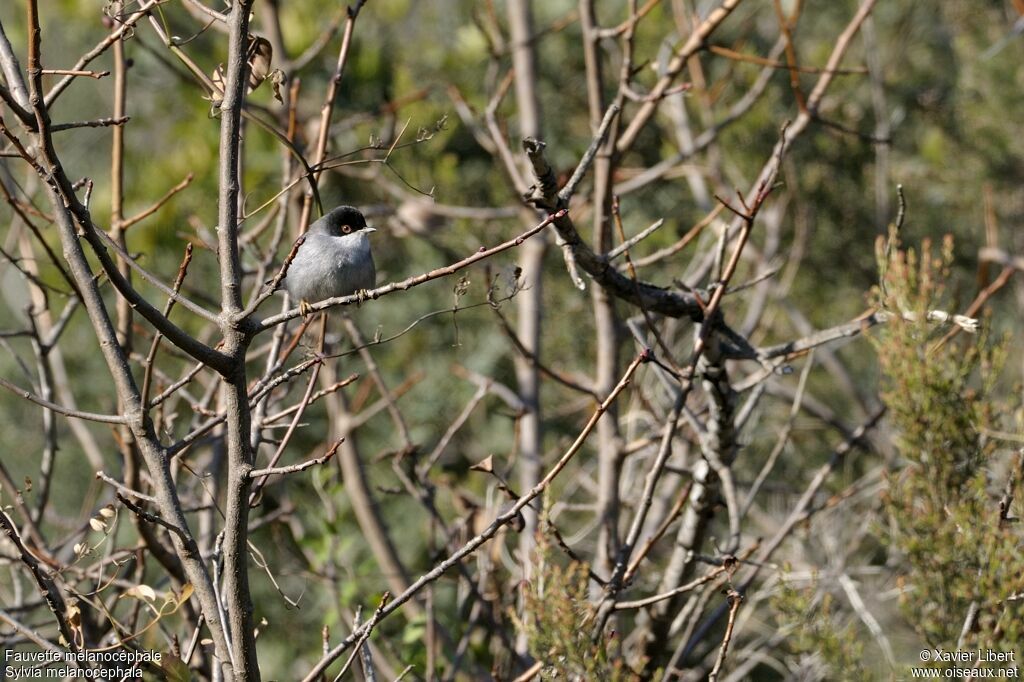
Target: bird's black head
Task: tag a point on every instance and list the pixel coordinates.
(340, 221)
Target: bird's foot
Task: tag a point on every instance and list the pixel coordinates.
(362, 295)
(305, 308)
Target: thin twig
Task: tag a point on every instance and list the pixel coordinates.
(566, 193)
(72, 72)
(60, 409)
(531, 672)
(735, 599)
(365, 631)
(158, 204)
(150, 360)
(726, 566)
(722, 51)
(327, 110)
(95, 123)
(672, 515)
(634, 240)
(694, 43)
(126, 24)
(302, 466)
(152, 518)
(122, 488)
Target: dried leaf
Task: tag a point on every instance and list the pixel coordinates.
(186, 592)
(74, 616)
(277, 79)
(260, 55)
(217, 78)
(98, 525)
(141, 592)
(486, 465)
(108, 512)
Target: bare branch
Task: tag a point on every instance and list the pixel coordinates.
(634, 240)
(695, 42)
(95, 123)
(728, 565)
(60, 409)
(566, 193)
(302, 466)
(151, 518)
(158, 204)
(735, 599)
(411, 282)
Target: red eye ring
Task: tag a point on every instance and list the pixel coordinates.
(346, 229)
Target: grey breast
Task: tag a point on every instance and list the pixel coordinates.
(327, 266)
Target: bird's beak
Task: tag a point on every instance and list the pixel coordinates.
(370, 229)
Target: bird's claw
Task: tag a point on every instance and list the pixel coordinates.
(305, 308)
(362, 295)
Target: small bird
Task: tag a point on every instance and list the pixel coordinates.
(334, 260)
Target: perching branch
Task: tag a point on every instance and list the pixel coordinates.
(411, 282)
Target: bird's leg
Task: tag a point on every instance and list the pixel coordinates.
(362, 295)
(305, 308)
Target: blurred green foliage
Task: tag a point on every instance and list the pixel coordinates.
(944, 513)
(807, 623)
(558, 618)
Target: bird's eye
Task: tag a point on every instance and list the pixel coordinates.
(345, 229)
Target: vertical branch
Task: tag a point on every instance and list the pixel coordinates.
(327, 110)
(127, 444)
(608, 341)
(786, 28)
(45, 373)
(124, 309)
(12, 71)
(287, 164)
(229, 183)
(735, 599)
(51, 359)
(235, 593)
(529, 302)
